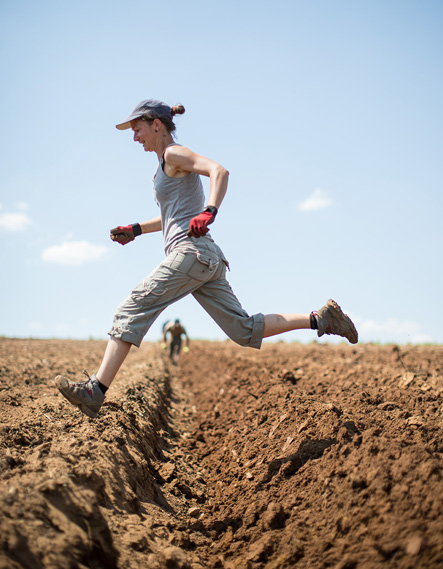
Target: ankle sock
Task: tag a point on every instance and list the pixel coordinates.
(103, 388)
(314, 321)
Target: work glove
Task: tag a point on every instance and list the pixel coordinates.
(123, 234)
(186, 349)
(198, 226)
(164, 346)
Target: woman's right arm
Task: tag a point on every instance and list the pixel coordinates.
(124, 234)
(152, 225)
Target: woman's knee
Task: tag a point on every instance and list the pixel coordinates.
(248, 332)
(244, 342)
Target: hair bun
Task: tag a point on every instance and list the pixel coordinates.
(178, 109)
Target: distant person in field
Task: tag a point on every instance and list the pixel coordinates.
(194, 263)
(173, 331)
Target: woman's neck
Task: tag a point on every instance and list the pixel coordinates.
(163, 143)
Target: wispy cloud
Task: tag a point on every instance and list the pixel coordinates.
(22, 205)
(319, 199)
(404, 331)
(14, 221)
(73, 253)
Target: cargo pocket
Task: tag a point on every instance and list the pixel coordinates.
(203, 267)
(149, 291)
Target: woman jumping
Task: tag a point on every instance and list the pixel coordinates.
(194, 263)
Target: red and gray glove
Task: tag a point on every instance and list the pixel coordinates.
(125, 234)
(198, 226)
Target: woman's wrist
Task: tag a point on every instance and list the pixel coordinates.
(212, 210)
(136, 229)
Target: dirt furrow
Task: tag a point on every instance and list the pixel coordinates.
(292, 456)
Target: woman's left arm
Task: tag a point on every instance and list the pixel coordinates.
(180, 161)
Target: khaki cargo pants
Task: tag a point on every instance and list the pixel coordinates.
(197, 267)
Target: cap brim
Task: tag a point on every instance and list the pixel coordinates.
(132, 117)
(123, 125)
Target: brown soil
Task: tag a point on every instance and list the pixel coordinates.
(305, 456)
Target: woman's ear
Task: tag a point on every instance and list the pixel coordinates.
(157, 124)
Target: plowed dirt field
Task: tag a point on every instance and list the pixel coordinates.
(306, 456)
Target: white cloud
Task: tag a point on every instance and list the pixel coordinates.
(34, 326)
(393, 330)
(73, 253)
(22, 205)
(14, 221)
(317, 200)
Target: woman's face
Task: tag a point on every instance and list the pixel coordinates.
(144, 133)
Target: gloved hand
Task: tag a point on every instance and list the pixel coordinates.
(123, 234)
(198, 226)
(164, 346)
(186, 349)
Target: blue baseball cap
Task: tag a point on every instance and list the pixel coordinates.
(150, 108)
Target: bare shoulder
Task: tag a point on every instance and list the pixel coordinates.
(177, 151)
(182, 160)
(178, 160)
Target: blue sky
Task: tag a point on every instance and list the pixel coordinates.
(328, 115)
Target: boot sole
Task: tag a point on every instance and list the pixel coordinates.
(350, 332)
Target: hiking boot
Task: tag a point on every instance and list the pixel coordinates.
(86, 395)
(331, 320)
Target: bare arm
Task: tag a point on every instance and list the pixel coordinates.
(152, 225)
(124, 234)
(180, 161)
(186, 336)
(165, 332)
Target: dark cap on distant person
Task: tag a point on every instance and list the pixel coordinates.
(151, 108)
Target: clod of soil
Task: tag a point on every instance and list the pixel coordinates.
(306, 456)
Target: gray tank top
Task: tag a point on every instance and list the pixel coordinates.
(179, 199)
